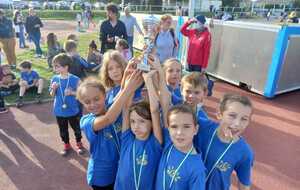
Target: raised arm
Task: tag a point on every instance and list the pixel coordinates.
(184, 29)
(111, 115)
(154, 105)
(164, 94)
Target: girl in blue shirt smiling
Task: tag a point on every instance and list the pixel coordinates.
(141, 142)
(103, 162)
(223, 149)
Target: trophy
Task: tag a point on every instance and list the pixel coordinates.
(149, 24)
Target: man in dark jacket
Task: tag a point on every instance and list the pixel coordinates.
(111, 29)
(7, 39)
(33, 24)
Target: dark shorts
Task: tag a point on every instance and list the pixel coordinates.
(9, 91)
(32, 89)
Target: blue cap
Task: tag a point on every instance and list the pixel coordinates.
(201, 19)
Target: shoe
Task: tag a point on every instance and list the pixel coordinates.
(66, 150)
(42, 57)
(37, 56)
(80, 148)
(39, 99)
(3, 110)
(19, 103)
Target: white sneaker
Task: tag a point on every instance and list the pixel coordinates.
(36, 56)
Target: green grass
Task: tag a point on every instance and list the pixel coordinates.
(41, 66)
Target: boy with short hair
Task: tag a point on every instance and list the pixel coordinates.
(30, 80)
(79, 65)
(194, 90)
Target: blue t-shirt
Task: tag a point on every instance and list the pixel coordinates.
(29, 77)
(110, 98)
(125, 176)
(104, 155)
(202, 117)
(239, 158)
(72, 105)
(176, 97)
(190, 176)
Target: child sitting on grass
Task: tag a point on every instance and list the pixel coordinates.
(30, 81)
(54, 48)
(8, 83)
(79, 65)
(123, 47)
(94, 56)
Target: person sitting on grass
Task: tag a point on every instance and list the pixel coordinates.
(8, 83)
(94, 56)
(54, 48)
(3, 109)
(123, 47)
(79, 65)
(30, 81)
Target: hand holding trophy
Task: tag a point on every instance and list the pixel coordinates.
(150, 24)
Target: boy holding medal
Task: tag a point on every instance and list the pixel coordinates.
(223, 149)
(65, 107)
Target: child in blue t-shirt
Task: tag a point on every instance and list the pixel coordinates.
(141, 142)
(194, 90)
(181, 166)
(102, 136)
(111, 73)
(30, 80)
(172, 69)
(65, 107)
(223, 149)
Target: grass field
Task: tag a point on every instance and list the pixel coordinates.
(41, 66)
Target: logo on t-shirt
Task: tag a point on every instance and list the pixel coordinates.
(141, 161)
(171, 171)
(223, 166)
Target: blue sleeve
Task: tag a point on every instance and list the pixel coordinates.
(166, 136)
(243, 169)
(176, 99)
(126, 136)
(85, 64)
(86, 124)
(35, 75)
(197, 180)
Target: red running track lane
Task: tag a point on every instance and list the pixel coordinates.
(30, 160)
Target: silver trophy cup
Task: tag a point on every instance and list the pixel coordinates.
(149, 24)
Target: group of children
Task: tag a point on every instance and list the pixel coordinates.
(149, 130)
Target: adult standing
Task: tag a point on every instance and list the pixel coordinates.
(19, 28)
(7, 39)
(199, 44)
(111, 29)
(130, 22)
(165, 41)
(33, 24)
